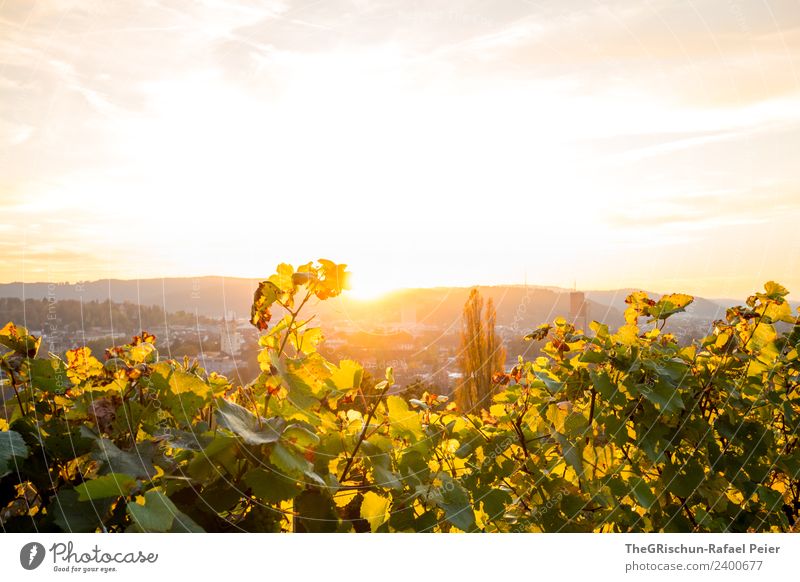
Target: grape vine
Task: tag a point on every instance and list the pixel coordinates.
(619, 431)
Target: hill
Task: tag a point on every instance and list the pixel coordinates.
(440, 307)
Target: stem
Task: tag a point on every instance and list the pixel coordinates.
(514, 491)
(294, 315)
(19, 400)
(518, 426)
(522, 467)
(688, 511)
(363, 433)
(478, 428)
(521, 437)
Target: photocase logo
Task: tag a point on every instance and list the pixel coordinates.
(31, 555)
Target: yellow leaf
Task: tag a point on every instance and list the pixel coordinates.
(347, 375)
(82, 365)
(282, 278)
(344, 497)
(375, 509)
(627, 335)
(404, 422)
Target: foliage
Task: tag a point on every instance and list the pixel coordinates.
(624, 431)
(482, 354)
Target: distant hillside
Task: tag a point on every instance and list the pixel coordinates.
(517, 305)
(701, 308)
(441, 307)
(210, 296)
(216, 296)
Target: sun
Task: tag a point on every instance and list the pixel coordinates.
(364, 289)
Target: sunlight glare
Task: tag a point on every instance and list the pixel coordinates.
(366, 289)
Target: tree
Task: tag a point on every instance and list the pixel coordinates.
(481, 355)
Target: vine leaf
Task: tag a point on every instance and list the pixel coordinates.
(111, 485)
(375, 509)
(245, 424)
(11, 445)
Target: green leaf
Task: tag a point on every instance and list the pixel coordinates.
(316, 512)
(494, 503)
(300, 435)
(111, 485)
(288, 461)
(593, 356)
(74, 516)
(576, 424)
(553, 386)
(664, 396)
(11, 446)
(469, 444)
(156, 515)
(606, 388)
(375, 509)
(245, 424)
(642, 492)
(600, 329)
(454, 500)
(413, 468)
(185, 524)
(683, 480)
(300, 388)
(385, 477)
(571, 452)
(137, 462)
(653, 438)
(186, 439)
(49, 375)
(221, 452)
(271, 486)
(65, 443)
(373, 453)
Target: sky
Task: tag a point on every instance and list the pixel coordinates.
(608, 144)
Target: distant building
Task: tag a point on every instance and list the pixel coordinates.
(230, 340)
(579, 310)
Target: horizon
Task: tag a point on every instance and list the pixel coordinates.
(371, 295)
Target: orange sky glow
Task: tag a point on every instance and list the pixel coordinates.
(622, 144)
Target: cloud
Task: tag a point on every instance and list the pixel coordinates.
(687, 211)
(586, 123)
